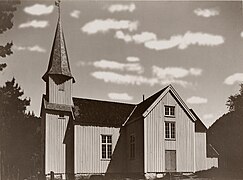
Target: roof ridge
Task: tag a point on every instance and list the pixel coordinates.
(106, 101)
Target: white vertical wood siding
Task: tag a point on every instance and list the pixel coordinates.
(54, 147)
(87, 148)
(212, 162)
(60, 97)
(202, 162)
(201, 151)
(155, 138)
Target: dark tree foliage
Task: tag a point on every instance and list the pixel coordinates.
(226, 133)
(7, 7)
(235, 102)
(19, 134)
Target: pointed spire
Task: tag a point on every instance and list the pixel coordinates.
(58, 63)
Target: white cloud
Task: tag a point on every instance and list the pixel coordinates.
(103, 26)
(174, 72)
(241, 34)
(235, 78)
(206, 12)
(120, 96)
(195, 71)
(126, 79)
(201, 39)
(123, 79)
(132, 59)
(119, 8)
(151, 41)
(137, 38)
(106, 64)
(34, 24)
(170, 72)
(35, 48)
(163, 44)
(126, 37)
(196, 100)
(39, 9)
(144, 37)
(75, 14)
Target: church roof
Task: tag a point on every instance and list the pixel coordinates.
(100, 113)
(144, 105)
(58, 63)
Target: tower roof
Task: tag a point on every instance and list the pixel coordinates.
(58, 63)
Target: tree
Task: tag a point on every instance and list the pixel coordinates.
(235, 102)
(19, 134)
(226, 134)
(7, 7)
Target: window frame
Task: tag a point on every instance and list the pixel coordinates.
(170, 110)
(132, 146)
(108, 147)
(170, 133)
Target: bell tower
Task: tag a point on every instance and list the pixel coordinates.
(56, 110)
(58, 76)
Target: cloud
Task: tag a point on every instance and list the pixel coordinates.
(196, 100)
(206, 12)
(137, 38)
(34, 24)
(195, 71)
(119, 8)
(35, 48)
(151, 41)
(75, 14)
(182, 42)
(120, 96)
(103, 26)
(113, 65)
(201, 39)
(241, 34)
(235, 78)
(126, 79)
(174, 72)
(39, 9)
(132, 59)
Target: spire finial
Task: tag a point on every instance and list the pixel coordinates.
(57, 3)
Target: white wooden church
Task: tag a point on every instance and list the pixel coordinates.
(86, 136)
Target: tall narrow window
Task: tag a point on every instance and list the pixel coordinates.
(106, 146)
(132, 146)
(170, 111)
(170, 130)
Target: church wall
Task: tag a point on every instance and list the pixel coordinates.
(55, 129)
(59, 95)
(156, 145)
(87, 149)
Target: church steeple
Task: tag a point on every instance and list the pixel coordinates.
(58, 63)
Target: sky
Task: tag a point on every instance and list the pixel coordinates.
(122, 50)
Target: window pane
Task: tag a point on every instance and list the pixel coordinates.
(167, 110)
(109, 139)
(167, 130)
(172, 111)
(103, 139)
(109, 150)
(103, 151)
(172, 130)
